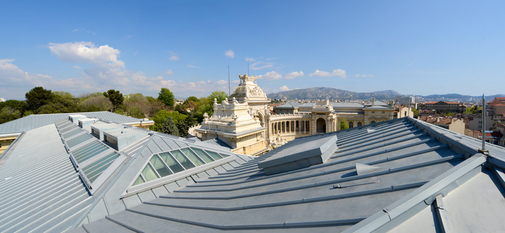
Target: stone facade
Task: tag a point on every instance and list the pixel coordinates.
(244, 121)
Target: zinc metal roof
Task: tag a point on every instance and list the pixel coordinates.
(39, 187)
(417, 162)
(37, 120)
(424, 177)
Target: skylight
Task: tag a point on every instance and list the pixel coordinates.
(170, 162)
(91, 157)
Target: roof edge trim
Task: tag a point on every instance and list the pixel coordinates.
(426, 193)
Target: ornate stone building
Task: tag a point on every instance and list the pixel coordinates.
(245, 124)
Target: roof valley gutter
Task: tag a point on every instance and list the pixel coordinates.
(104, 191)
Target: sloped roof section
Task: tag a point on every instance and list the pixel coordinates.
(39, 188)
(34, 121)
(415, 162)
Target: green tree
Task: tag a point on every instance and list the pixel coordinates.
(115, 97)
(167, 97)
(343, 125)
(96, 103)
(187, 123)
(169, 127)
(162, 115)
(416, 112)
(37, 97)
(219, 95)
(21, 106)
(9, 114)
(192, 98)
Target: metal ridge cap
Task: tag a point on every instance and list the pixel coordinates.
(422, 194)
(436, 133)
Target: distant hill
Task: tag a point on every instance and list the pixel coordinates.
(332, 93)
(456, 97)
(338, 94)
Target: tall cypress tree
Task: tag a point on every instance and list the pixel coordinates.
(169, 127)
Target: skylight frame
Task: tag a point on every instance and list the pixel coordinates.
(102, 176)
(146, 185)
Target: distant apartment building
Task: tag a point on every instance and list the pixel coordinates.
(443, 106)
(404, 100)
(497, 107)
(475, 122)
(453, 124)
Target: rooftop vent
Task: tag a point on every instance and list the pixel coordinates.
(362, 169)
(75, 118)
(300, 153)
(98, 129)
(87, 122)
(370, 130)
(121, 138)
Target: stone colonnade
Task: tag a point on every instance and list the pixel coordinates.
(291, 127)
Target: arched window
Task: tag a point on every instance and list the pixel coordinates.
(351, 124)
(359, 124)
(373, 122)
(321, 125)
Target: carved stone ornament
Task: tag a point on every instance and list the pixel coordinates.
(256, 91)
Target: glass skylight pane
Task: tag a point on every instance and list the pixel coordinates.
(94, 170)
(77, 140)
(159, 166)
(85, 154)
(182, 159)
(192, 156)
(71, 133)
(149, 173)
(139, 180)
(170, 161)
(203, 155)
(68, 129)
(214, 155)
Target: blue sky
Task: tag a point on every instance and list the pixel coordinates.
(413, 47)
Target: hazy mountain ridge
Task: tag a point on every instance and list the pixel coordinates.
(338, 94)
(332, 93)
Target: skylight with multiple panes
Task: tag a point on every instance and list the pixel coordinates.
(167, 163)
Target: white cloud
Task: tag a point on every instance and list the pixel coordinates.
(261, 65)
(103, 71)
(272, 75)
(338, 72)
(76, 67)
(16, 81)
(294, 75)
(169, 72)
(106, 68)
(229, 53)
(192, 66)
(135, 54)
(364, 75)
(249, 59)
(128, 36)
(174, 56)
(235, 81)
(83, 30)
(284, 88)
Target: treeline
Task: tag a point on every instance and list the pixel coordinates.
(183, 115)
